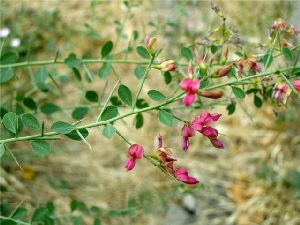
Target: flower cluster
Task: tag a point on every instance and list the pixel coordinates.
(283, 27)
(201, 123)
(282, 91)
(190, 86)
(167, 161)
(136, 152)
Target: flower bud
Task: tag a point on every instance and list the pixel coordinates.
(130, 163)
(169, 65)
(149, 42)
(223, 71)
(136, 151)
(190, 69)
(211, 94)
(296, 84)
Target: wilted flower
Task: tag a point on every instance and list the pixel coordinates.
(254, 67)
(158, 141)
(182, 174)
(211, 94)
(296, 84)
(4, 32)
(281, 92)
(15, 42)
(169, 65)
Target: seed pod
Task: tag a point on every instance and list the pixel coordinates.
(211, 94)
(223, 71)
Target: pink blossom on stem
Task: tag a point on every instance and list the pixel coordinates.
(209, 132)
(136, 151)
(186, 132)
(185, 143)
(217, 143)
(296, 84)
(130, 163)
(189, 99)
(281, 92)
(191, 86)
(182, 174)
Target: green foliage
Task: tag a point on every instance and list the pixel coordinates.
(139, 121)
(231, 108)
(105, 70)
(62, 127)
(30, 121)
(74, 135)
(2, 150)
(80, 112)
(125, 94)
(109, 113)
(41, 148)
(72, 61)
(187, 53)
(156, 95)
(49, 108)
(238, 92)
(139, 72)
(106, 49)
(165, 118)
(30, 103)
(109, 131)
(6, 74)
(143, 52)
(92, 96)
(286, 52)
(10, 122)
(9, 57)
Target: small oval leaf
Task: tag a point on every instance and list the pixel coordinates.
(109, 131)
(10, 122)
(30, 121)
(62, 127)
(143, 52)
(125, 94)
(41, 148)
(107, 48)
(165, 118)
(239, 93)
(109, 113)
(156, 95)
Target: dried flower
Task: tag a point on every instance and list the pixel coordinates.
(223, 71)
(281, 92)
(169, 65)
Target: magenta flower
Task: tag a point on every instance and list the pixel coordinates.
(191, 87)
(296, 84)
(130, 163)
(202, 124)
(186, 132)
(158, 141)
(182, 174)
(136, 151)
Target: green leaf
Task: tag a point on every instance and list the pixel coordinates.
(287, 53)
(125, 94)
(139, 121)
(109, 131)
(109, 113)
(213, 49)
(115, 100)
(156, 95)
(30, 103)
(10, 122)
(48, 220)
(6, 74)
(76, 73)
(231, 108)
(39, 214)
(267, 60)
(76, 204)
(2, 150)
(20, 213)
(49, 108)
(92, 96)
(139, 72)
(257, 101)
(3, 111)
(167, 77)
(239, 93)
(72, 61)
(40, 79)
(104, 70)
(141, 103)
(62, 127)
(74, 136)
(97, 221)
(9, 57)
(187, 53)
(30, 121)
(143, 52)
(106, 49)
(165, 118)
(8, 222)
(204, 83)
(41, 148)
(80, 112)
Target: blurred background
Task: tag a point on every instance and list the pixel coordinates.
(255, 180)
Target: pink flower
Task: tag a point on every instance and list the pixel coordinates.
(186, 132)
(136, 151)
(130, 163)
(296, 84)
(182, 174)
(281, 92)
(202, 124)
(191, 86)
(149, 42)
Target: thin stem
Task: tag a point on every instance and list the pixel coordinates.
(123, 137)
(142, 82)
